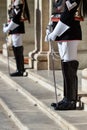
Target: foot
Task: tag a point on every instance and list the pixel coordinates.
(59, 103)
(69, 105)
(16, 74)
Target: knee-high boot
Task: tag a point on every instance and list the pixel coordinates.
(71, 79)
(70, 86)
(18, 53)
(63, 73)
(64, 92)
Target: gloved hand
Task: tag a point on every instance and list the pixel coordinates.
(58, 31)
(5, 28)
(48, 31)
(51, 37)
(11, 26)
(47, 34)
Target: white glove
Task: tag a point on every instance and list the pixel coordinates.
(51, 37)
(47, 33)
(48, 30)
(58, 31)
(5, 29)
(11, 26)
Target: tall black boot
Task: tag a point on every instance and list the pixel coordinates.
(71, 86)
(64, 77)
(18, 53)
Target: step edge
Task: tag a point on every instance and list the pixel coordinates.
(12, 116)
(49, 112)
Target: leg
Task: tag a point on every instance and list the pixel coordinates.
(69, 69)
(18, 53)
(71, 86)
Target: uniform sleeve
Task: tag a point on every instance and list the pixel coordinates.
(66, 19)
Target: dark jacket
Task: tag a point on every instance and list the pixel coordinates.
(16, 18)
(68, 18)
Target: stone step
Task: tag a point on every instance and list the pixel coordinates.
(84, 101)
(24, 112)
(45, 78)
(43, 97)
(5, 122)
(49, 83)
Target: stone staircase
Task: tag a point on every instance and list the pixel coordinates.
(26, 101)
(20, 106)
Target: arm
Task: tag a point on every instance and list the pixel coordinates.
(64, 24)
(14, 23)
